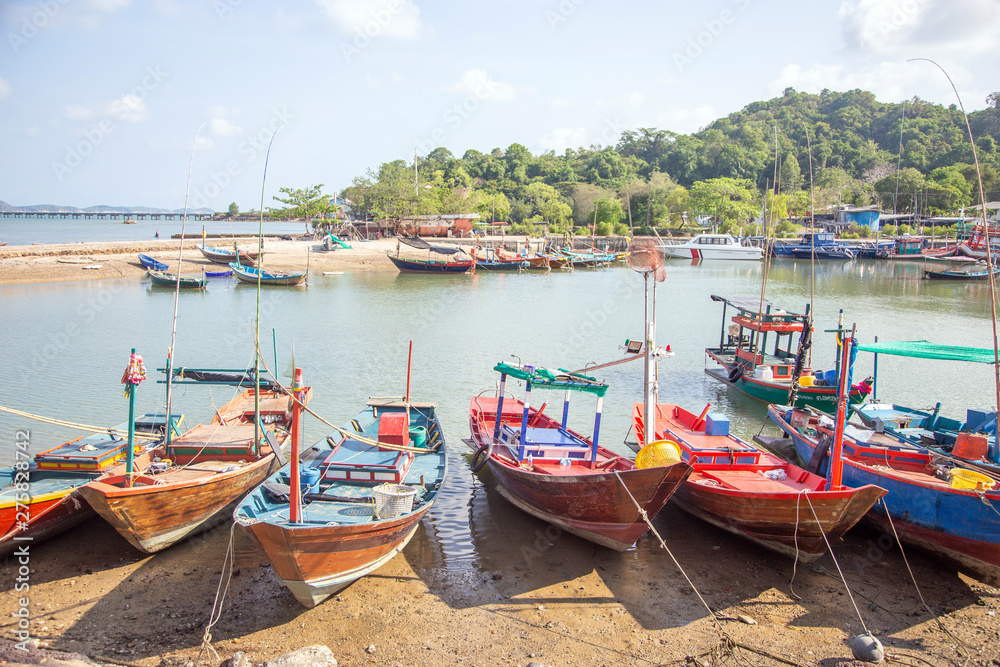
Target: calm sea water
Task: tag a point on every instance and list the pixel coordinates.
(25, 231)
(66, 345)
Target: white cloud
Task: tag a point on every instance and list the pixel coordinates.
(79, 112)
(223, 127)
(636, 99)
(908, 28)
(5, 89)
(374, 18)
(129, 108)
(890, 81)
(477, 83)
(561, 138)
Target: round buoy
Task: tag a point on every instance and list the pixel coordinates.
(867, 648)
(658, 453)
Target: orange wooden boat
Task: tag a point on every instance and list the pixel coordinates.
(199, 475)
(746, 491)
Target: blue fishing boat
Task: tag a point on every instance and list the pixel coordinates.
(152, 264)
(819, 245)
(974, 440)
(249, 274)
(351, 502)
(974, 272)
(218, 274)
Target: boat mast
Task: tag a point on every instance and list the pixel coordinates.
(168, 422)
(260, 272)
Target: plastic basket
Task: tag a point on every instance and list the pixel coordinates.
(970, 479)
(392, 500)
(658, 453)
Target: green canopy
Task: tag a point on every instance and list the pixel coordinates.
(926, 350)
(546, 379)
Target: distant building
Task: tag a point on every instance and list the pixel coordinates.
(446, 224)
(867, 216)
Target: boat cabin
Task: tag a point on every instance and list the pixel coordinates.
(746, 337)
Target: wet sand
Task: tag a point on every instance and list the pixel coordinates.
(483, 584)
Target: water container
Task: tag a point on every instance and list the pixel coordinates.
(765, 374)
(309, 480)
(418, 436)
(830, 377)
(807, 380)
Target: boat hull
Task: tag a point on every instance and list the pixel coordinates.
(153, 516)
(821, 398)
(41, 517)
(429, 266)
(958, 526)
(317, 562)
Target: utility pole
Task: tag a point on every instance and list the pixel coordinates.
(416, 193)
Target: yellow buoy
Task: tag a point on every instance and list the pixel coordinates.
(658, 453)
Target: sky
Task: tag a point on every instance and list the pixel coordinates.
(115, 101)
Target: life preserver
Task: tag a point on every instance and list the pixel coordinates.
(480, 458)
(735, 374)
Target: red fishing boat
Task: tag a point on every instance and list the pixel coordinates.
(553, 473)
(746, 491)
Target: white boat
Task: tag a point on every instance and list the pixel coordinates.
(712, 246)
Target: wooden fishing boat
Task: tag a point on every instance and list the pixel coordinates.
(932, 504)
(767, 376)
(557, 475)
(409, 265)
(218, 274)
(198, 476)
(556, 261)
(249, 274)
(40, 500)
(366, 486)
(494, 259)
(164, 279)
(152, 264)
(975, 272)
(821, 245)
(751, 493)
(223, 256)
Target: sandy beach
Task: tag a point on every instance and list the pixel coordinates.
(119, 259)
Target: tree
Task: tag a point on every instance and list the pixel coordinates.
(234, 209)
(725, 199)
(306, 203)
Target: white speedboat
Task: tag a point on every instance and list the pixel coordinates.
(712, 246)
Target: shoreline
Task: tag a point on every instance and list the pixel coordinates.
(65, 262)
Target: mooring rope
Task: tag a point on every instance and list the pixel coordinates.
(220, 599)
(72, 425)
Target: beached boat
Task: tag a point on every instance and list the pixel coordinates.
(713, 246)
(223, 256)
(364, 491)
(199, 475)
(557, 475)
(751, 493)
(945, 510)
(249, 274)
(974, 440)
(411, 265)
(40, 500)
(152, 264)
(164, 279)
(973, 272)
(746, 364)
(493, 259)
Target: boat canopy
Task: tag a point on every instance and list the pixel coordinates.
(544, 378)
(417, 242)
(762, 315)
(925, 350)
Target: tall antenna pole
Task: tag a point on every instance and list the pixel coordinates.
(416, 193)
(986, 233)
(260, 271)
(177, 289)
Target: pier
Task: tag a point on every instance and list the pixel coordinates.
(107, 215)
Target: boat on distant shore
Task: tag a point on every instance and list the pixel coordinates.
(818, 245)
(152, 264)
(452, 264)
(164, 279)
(223, 256)
(712, 246)
(249, 274)
(973, 272)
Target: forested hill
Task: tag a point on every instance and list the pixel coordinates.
(660, 176)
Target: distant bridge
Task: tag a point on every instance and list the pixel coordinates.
(107, 215)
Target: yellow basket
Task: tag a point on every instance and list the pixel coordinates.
(970, 479)
(658, 453)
